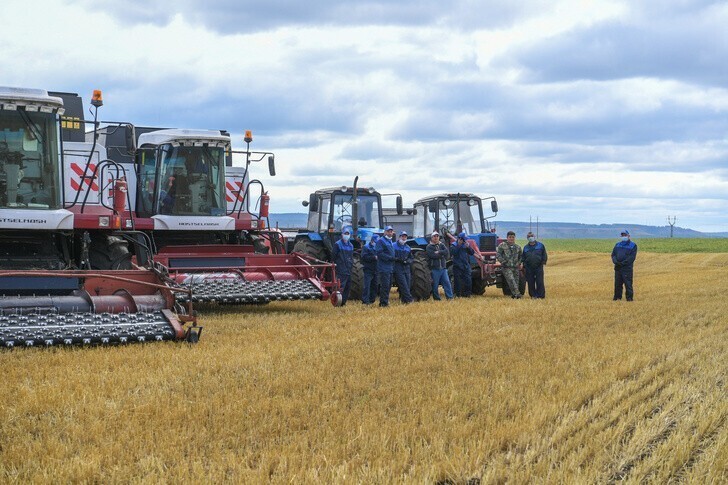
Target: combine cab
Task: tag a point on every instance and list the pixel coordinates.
(194, 208)
(57, 248)
(332, 209)
(451, 214)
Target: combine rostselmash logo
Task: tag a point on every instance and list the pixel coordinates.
(233, 191)
(77, 173)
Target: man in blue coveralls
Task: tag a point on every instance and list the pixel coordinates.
(402, 263)
(534, 258)
(623, 256)
(343, 256)
(461, 251)
(385, 265)
(369, 262)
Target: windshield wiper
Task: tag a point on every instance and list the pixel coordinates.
(32, 126)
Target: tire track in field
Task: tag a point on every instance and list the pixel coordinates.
(596, 414)
(698, 452)
(678, 420)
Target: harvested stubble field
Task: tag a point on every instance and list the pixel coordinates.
(576, 389)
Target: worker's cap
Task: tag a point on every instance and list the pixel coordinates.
(625, 233)
(462, 235)
(374, 238)
(402, 233)
(346, 230)
(435, 234)
(389, 228)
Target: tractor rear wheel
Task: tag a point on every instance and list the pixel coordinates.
(109, 253)
(357, 280)
(478, 285)
(421, 279)
(311, 248)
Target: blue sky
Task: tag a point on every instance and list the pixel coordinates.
(580, 111)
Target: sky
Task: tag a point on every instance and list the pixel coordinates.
(569, 110)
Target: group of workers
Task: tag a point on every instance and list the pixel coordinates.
(383, 258)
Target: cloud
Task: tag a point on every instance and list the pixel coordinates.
(244, 16)
(686, 44)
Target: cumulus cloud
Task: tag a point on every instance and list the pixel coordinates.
(600, 111)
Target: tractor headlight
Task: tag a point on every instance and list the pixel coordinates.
(104, 221)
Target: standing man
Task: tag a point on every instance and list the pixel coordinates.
(509, 256)
(461, 252)
(437, 255)
(534, 259)
(343, 257)
(369, 262)
(623, 256)
(402, 263)
(385, 265)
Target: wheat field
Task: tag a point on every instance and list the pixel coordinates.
(572, 389)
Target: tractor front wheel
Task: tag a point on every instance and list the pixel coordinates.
(109, 253)
(311, 248)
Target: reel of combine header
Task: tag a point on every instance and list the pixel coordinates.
(87, 307)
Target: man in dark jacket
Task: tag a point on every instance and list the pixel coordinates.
(402, 263)
(462, 273)
(623, 256)
(534, 258)
(437, 255)
(385, 265)
(343, 257)
(369, 262)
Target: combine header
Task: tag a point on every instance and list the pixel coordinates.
(194, 208)
(65, 272)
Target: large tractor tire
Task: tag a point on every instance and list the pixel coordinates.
(109, 253)
(478, 285)
(311, 248)
(521, 284)
(421, 279)
(357, 281)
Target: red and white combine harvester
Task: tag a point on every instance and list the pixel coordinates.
(66, 275)
(195, 210)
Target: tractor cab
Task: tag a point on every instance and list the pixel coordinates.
(332, 209)
(455, 213)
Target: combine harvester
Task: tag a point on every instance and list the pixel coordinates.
(194, 207)
(65, 271)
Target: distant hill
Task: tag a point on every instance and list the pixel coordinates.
(546, 229)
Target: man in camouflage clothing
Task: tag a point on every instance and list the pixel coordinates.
(509, 256)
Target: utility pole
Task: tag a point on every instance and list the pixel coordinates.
(530, 223)
(536, 227)
(672, 223)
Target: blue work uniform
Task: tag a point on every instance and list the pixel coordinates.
(385, 268)
(534, 257)
(462, 273)
(402, 270)
(623, 256)
(343, 257)
(369, 263)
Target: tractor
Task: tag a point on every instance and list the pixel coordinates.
(65, 272)
(332, 209)
(453, 213)
(194, 207)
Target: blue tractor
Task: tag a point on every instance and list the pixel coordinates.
(332, 209)
(453, 213)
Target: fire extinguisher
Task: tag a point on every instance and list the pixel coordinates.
(120, 188)
(264, 202)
